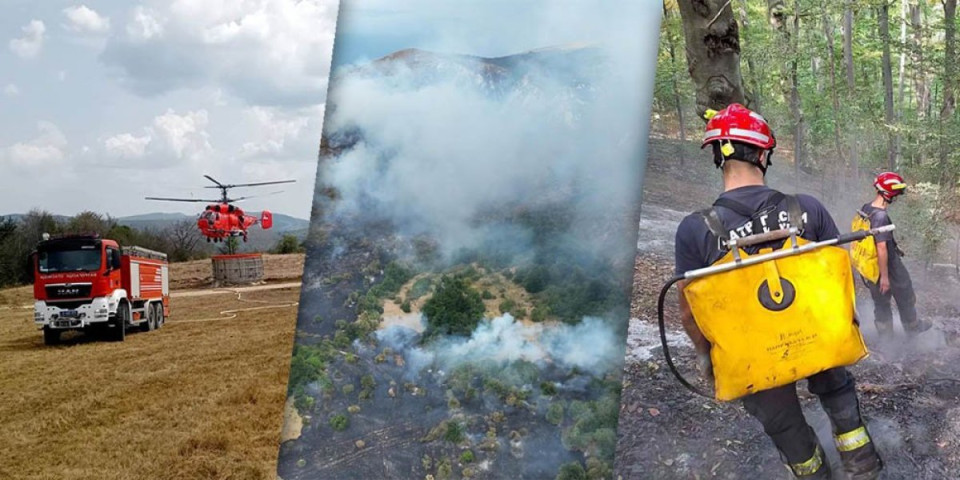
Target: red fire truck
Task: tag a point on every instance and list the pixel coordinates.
(84, 282)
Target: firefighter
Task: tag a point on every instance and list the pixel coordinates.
(893, 280)
(742, 143)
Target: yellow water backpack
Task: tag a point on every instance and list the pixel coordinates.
(864, 252)
(776, 322)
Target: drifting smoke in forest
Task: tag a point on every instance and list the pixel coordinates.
(591, 346)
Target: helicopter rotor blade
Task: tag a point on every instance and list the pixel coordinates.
(234, 200)
(255, 184)
(194, 200)
(219, 185)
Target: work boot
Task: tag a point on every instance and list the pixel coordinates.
(860, 458)
(816, 468)
(918, 327)
(884, 331)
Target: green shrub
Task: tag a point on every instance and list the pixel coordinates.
(548, 388)
(454, 432)
(572, 471)
(486, 295)
(308, 365)
(339, 422)
(555, 413)
(405, 306)
(466, 457)
(444, 469)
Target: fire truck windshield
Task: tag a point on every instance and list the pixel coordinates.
(79, 259)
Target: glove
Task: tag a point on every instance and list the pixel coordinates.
(705, 365)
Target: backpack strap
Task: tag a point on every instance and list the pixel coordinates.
(712, 219)
(794, 213)
(793, 210)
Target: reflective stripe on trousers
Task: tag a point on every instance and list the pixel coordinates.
(852, 440)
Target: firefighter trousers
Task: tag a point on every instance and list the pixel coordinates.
(901, 290)
(779, 411)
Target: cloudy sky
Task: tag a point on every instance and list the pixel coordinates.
(103, 102)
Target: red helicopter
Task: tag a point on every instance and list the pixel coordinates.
(221, 219)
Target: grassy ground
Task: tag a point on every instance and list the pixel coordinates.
(202, 397)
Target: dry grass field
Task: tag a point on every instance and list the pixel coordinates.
(202, 397)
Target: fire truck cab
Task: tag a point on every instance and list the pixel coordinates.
(88, 283)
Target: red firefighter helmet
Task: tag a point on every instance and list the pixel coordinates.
(889, 185)
(737, 123)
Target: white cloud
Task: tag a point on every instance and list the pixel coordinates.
(170, 136)
(143, 25)
(83, 19)
(45, 149)
(185, 135)
(31, 43)
(266, 52)
(274, 128)
(126, 145)
(11, 90)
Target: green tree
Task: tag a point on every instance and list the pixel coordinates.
(454, 309)
(90, 222)
(230, 246)
(288, 244)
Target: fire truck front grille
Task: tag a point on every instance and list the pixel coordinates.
(68, 305)
(58, 292)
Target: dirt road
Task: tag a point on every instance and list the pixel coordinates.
(222, 291)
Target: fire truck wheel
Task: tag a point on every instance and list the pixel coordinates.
(51, 336)
(151, 323)
(118, 327)
(159, 316)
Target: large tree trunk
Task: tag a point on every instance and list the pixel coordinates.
(920, 80)
(900, 77)
(884, 21)
(678, 101)
(713, 53)
(800, 129)
(921, 89)
(754, 93)
(848, 41)
(851, 83)
(788, 39)
(949, 82)
(831, 58)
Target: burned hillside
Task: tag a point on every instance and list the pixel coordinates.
(465, 299)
